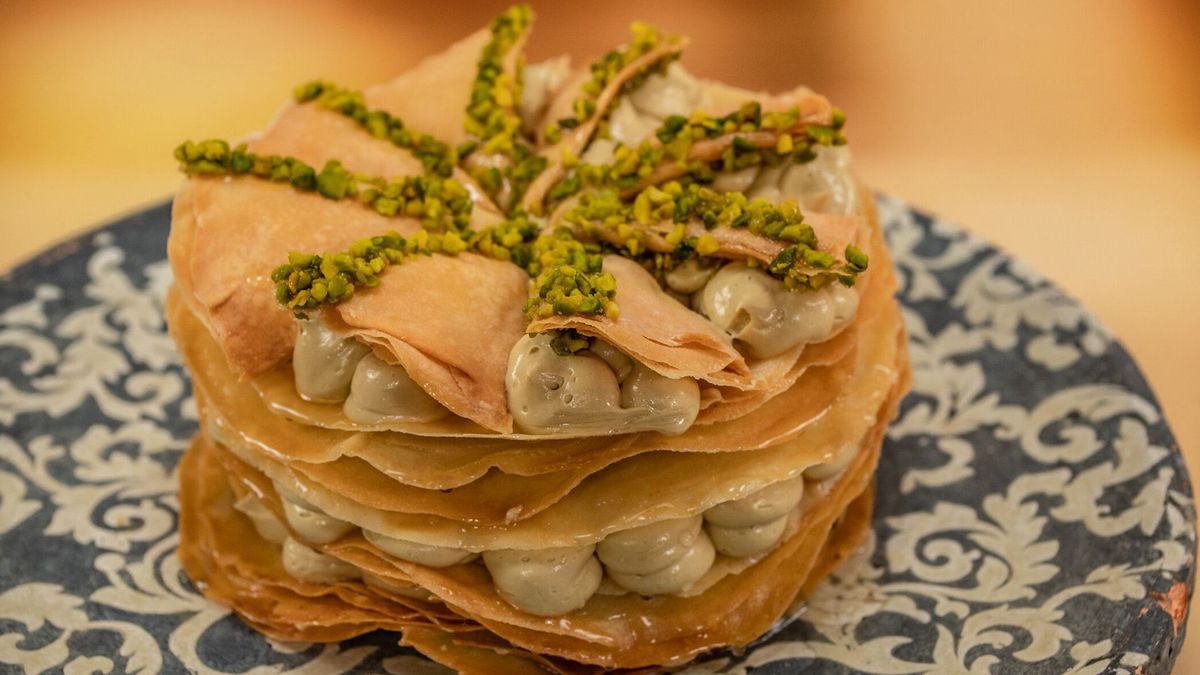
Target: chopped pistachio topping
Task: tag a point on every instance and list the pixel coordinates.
(568, 341)
(436, 156)
(506, 180)
(510, 240)
(633, 166)
(307, 281)
(439, 203)
(568, 275)
(565, 264)
(569, 278)
(495, 95)
(801, 264)
(493, 118)
(644, 39)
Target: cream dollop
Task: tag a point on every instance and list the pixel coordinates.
(541, 81)
(306, 564)
(595, 391)
(548, 392)
(736, 181)
(834, 465)
(663, 557)
(769, 503)
(753, 524)
(323, 362)
(826, 184)
(630, 126)
(659, 403)
(638, 114)
(311, 524)
(422, 554)
(267, 523)
(382, 392)
(548, 582)
(675, 92)
(689, 276)
(764, 317)
(616, 359)
(742, 542)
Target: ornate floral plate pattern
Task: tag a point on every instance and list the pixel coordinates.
(1033, 514)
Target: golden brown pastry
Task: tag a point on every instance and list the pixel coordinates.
(543, 367)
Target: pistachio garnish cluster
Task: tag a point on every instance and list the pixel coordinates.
(644, 39)
(605, 216)
(307, 281)
(568, 275)
(569, 341)
(495, 95)
(439, 203)
(436, 156)
(493, 119)
(570, 278)
(648, 195)
(678, 133)
(634, 167)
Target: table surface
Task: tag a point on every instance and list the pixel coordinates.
(1065, 132)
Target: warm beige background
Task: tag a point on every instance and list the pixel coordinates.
(1068, 132)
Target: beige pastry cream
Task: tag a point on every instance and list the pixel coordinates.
(595, 391)
(547, 582)
(764, 317)
(382, 392)
(689, 276)
(742, 542)
(310, 523)
(541, 81)
(330, 367)
(834, 465)
(267, 523)
(324, 361)
(422, 554)
(753, 524)
(641, 112)
(825, 184)
(306, 564)
(663, 557)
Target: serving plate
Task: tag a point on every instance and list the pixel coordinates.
(1033, 513)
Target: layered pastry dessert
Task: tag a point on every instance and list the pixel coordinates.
(549, 367)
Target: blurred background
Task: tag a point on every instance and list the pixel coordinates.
(1068, 132)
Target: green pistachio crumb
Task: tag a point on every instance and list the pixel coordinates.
(634, 167)
(622, 224)
(435, 156)
(568, 342)
(644, 39)
(440, 203)
(649, 193)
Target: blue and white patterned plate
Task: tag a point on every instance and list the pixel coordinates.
(1033, 515)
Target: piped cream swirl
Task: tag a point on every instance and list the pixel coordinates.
(595, 391)
(663, 557)
(548, 582)
(765, 318)
(753, 524)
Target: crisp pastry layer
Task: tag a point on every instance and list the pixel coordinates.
(232, 564)
(542, 367)
(346, 475)
(562, 506)
(434, 337)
